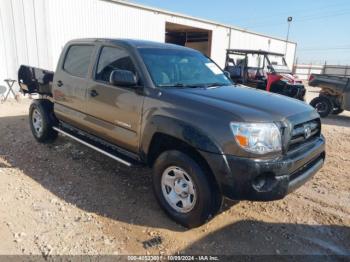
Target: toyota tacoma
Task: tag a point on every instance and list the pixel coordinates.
(173, 109)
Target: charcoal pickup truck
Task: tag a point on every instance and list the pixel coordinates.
(334, 96)
(173, 109)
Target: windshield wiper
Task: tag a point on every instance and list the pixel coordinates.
(182, 85)
(215, 84)
(179, 85)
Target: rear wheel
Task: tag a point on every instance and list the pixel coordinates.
(183, 189)
(323, 106)
(41, 121)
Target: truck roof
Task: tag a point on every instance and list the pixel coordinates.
(130, 43)
(247, 51)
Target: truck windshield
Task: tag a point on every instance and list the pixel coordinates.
(182, 68)
(278, 64)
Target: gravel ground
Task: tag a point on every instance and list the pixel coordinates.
(64, 198)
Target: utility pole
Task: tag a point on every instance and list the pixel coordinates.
(289, 20)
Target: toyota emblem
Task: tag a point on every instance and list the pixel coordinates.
(307, 132)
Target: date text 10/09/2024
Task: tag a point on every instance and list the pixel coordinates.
(174, 258)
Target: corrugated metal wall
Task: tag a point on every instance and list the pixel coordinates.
(3, 53)
(9, 59)
(34, 31)
(23, 36)
(93, 18)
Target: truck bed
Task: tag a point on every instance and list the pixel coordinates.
(336, 83)
(34, 80)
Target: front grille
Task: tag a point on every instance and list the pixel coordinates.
(304, 132)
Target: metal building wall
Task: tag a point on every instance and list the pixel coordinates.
(23, 36)
(34, 31)
(93, 18)
(3, 53)
(9, 57)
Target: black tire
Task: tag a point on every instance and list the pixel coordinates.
(45, 109)
(208, 198)
(323, 106)
(337, 111)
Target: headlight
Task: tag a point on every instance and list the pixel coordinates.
(258, 138)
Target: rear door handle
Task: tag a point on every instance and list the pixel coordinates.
(93, 93)
(59, 83)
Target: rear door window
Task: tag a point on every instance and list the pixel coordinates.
(78, 59)
(113, 58)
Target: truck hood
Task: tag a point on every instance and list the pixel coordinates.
(247, 104)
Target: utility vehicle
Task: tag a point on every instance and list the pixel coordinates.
(263, 70)
(334, 96)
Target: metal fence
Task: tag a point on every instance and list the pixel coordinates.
(336, 70)
(304, 71)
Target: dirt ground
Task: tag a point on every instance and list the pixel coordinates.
(64, 198)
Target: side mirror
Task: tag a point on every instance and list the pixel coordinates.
(227, 74)
(122, 78)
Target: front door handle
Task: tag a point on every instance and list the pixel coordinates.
(59, 83)
(93, 93)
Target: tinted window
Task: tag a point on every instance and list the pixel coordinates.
(78, 60)
(113, 58)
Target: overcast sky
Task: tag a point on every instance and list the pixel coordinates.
(321, 28)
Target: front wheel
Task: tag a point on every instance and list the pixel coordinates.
(183, 189)
(323, 106)
(41, 121)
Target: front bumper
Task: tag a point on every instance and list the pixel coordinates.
(264, 180)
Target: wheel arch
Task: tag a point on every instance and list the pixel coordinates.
(162, 142)
(165, 133)
(185, 132)
(45, 107)
(49, 106)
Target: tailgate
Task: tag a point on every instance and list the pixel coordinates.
(35, 80)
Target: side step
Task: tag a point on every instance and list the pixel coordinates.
(120, 159)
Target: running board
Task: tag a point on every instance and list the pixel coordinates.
(93, 147)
